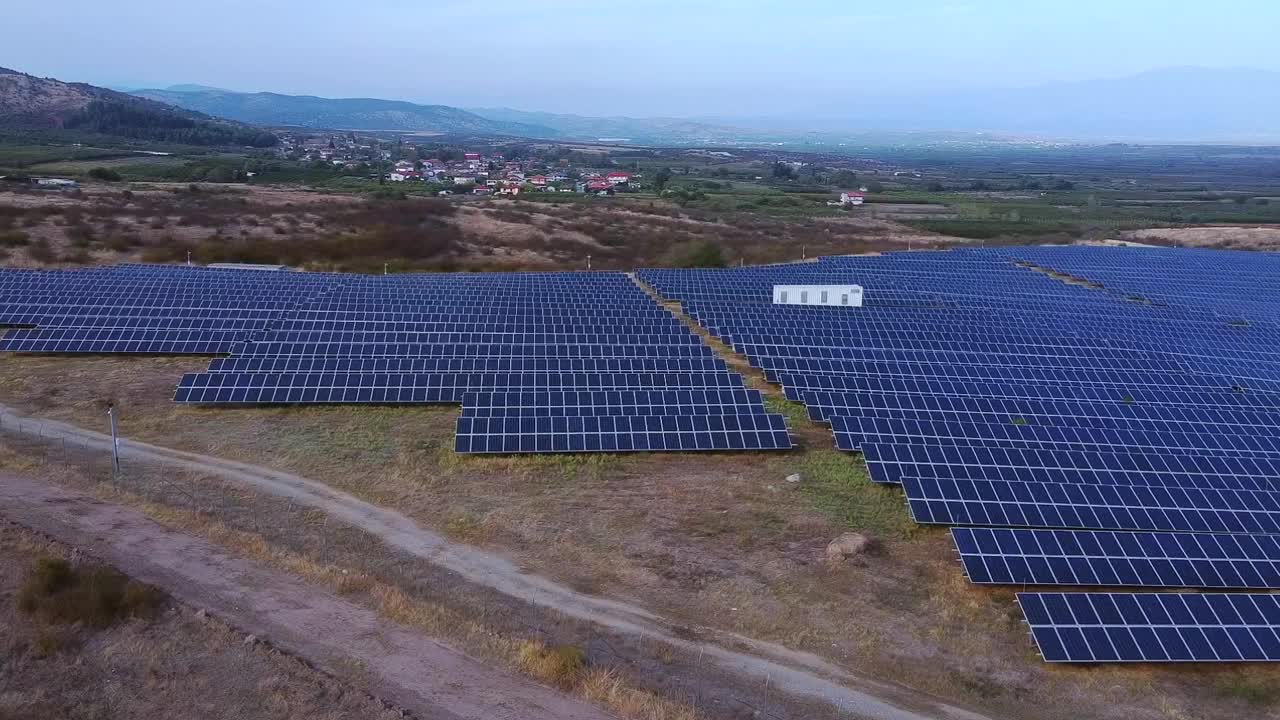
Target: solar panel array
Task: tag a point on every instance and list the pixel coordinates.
(1082, 416)
(543, 362)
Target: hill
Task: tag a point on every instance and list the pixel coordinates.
(274, 109)
(29, 103)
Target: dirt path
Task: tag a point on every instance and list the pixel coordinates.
(399, 665)
(799, 673)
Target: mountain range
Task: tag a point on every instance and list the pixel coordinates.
(1171, 105)
(30, 103)
(307, 111)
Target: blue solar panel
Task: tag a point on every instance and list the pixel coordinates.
(1153, 627)
(1009, 556)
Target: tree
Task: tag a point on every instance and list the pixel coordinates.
(782, 171)
(875, 186)
(104, 174)
(846, 179)
(661, 179)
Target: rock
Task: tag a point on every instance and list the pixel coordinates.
(250, 640)
(794, 478)
(846, 546)
(201, 614)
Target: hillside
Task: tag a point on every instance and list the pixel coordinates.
(338, 113)
(29, 103)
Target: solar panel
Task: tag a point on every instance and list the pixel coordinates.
(1013, 503)
(1009, 556)
(1153, 627)
(621, 434)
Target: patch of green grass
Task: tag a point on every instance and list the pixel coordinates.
(794, 412)
(1253, 689)
(837, 484)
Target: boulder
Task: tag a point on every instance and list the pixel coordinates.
(846, 546)
(794, 478)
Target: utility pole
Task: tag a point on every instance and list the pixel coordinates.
(188, 257)
(588, 262)
(803, 249)
(115, 441)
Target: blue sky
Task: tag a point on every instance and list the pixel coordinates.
(650, 57)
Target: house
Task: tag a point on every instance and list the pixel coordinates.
(56, 183)
(852, 197)
(403, 175)
(539, 180)
(482, 190)
(600, 186)
(472, 159)
(618, 178)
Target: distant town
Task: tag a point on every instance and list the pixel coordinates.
(457, 172)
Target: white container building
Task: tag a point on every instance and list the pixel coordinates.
(838, 295)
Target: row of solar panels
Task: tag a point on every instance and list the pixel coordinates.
(577, 362)
(1084, 438)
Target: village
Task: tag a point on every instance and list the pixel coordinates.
(456, 172)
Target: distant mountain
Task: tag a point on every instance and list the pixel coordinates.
(30, 103)
(635, 129)
(338, 113)
(1170, 105)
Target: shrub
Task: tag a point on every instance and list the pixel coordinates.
(14, 238)
(705, 254)
(104, 174)
(40, 251)
(58, 593)
(558, 666)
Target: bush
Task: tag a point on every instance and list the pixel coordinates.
(705, 254)
(57, 593)
(104, 174)
(14, 238)
(41, 252)
(559, 666)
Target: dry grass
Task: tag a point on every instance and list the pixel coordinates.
(563, 667)
(606, 688)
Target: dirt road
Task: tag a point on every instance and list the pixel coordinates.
(399, 665)
(802, 674)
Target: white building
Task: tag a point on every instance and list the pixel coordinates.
(838, 295)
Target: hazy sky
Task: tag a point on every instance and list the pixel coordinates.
(637, 57)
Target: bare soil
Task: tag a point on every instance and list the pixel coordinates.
(1225, 237)
(177, 664)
